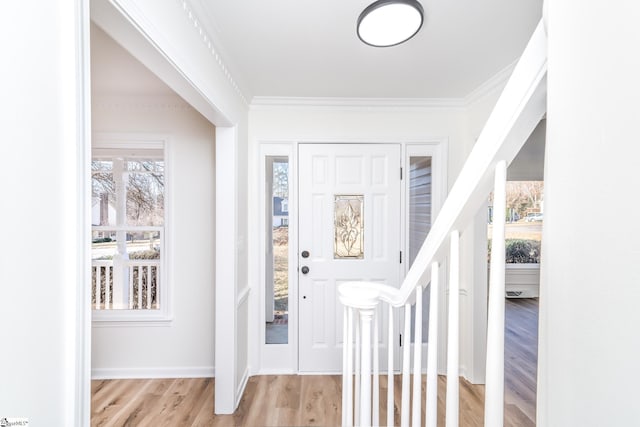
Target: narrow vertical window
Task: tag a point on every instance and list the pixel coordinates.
(420, 200)
(277, 253)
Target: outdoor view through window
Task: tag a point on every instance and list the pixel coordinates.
(128, 229)
(277, 262)
(525, 212)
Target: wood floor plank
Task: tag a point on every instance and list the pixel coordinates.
(289, 395)
(116, 404)
(287, 399)
(309, 400)
(142, 406)
(142, 413)
(204, 415)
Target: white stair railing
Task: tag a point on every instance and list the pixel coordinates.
(517, 112)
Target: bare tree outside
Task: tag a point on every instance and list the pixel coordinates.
(118, 252)
(145, 190)
(281, 179)
(281, 241)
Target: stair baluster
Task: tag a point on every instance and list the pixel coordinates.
(453, 328)
(431, 411)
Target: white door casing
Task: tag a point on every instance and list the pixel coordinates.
(326, 171)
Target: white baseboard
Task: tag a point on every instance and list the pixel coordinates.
(275, 372)
(462, 371)
(162, 372)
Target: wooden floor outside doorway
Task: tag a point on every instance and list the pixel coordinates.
(291, 400)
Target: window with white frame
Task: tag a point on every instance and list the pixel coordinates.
(128, 229)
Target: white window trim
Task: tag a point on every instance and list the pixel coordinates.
(103, 142)
(279, 357)
(438, 151)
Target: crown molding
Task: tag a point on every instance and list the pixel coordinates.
(196, 14)
(496, 82)
(196, 20)
(355, 104)
(140, 103)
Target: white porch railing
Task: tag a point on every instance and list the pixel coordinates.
(517, 112)
(133, 286)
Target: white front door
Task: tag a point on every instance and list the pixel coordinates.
(350, 228)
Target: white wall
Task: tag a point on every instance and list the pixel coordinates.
(590, 280)
(369, 123)
(129, 99)
(458, 121)
(186, 347)
(529, 163)
(344, 122)
(169, 39)
(42, 312)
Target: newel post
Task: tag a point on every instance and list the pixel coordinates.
(356, 296)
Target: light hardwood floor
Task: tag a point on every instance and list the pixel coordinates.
(291, 400)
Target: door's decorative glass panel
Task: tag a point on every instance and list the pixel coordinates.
(349, 227)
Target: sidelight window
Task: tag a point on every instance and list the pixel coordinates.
(277, 251)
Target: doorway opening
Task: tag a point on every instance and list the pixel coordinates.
(523, 237)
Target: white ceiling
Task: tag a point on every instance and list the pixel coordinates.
(304, 48)
(114, 71)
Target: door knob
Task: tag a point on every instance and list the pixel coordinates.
(304, 269)
(305, 254)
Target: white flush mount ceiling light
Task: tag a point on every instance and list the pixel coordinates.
(390, 22)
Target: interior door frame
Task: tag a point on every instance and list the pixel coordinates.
(283, 358)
